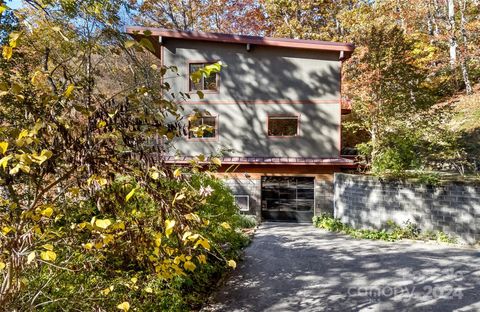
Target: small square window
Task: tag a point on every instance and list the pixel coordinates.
(283, 126)
(203, 127)
(209, 83)
(242, 202)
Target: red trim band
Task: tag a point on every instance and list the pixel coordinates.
(256, 102)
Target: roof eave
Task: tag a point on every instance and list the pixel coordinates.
(347, 48)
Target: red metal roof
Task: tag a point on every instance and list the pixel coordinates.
(269, 160)
(347, 48)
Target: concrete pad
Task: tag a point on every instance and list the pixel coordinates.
(296, 267)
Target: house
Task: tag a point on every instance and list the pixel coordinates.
(274, 110)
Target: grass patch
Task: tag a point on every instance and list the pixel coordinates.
(467, 122)
(390, 232)
(467, 112)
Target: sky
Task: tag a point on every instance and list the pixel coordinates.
(14, 4)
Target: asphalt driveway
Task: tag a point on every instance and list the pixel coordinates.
(295, 267)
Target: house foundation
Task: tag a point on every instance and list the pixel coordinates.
(281, 193)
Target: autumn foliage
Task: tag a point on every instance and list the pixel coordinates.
(410, 55)
(90, 216)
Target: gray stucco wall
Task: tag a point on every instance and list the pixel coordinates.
(264, 73)
(368, 202)
(254, 84)
(242, 129)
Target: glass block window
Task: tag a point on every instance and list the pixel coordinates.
(243, 202)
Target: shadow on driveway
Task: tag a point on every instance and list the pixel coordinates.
(296, 267)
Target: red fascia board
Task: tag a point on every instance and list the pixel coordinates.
(242, 39)
(326, 163)
(340, 164)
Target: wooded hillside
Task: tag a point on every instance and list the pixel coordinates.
(91, 220)
(410, 56)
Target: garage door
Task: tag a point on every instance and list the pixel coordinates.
(288, 198)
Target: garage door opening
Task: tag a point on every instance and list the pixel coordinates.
(288, 198)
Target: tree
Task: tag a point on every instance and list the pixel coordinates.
(241, 17)
(81, 185)
(8, 23)
(452, 28)
(386, 85)
(464, 51)
(316, 20)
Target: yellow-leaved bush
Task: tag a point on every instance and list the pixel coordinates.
(97, 229)
(90, 217)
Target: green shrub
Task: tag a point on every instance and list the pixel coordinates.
(428, 178)
(390, 232)
(329, 223)
(124, 267)
(445, 238)
(247, 221)
(409, 230)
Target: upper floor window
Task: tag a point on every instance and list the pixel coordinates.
(203, 127)
(209, 83)
(283, 126)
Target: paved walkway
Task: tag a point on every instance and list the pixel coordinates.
(293, 267)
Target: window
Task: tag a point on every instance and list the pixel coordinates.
(209, 83)
(283, 126)
(203, 127)
(242, 202)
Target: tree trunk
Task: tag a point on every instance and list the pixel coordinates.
(373, 137)
(430, 22)
(432, 19)
(464, 50)
(451, 28)
(403, 23)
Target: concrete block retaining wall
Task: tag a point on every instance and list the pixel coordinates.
(369, 202)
